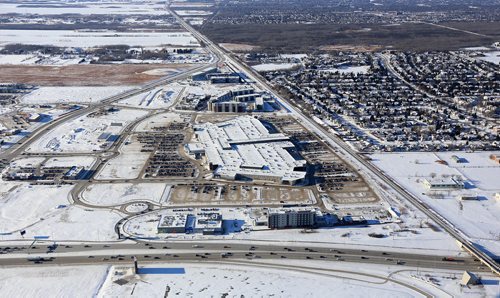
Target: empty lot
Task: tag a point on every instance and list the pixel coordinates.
(87, 75)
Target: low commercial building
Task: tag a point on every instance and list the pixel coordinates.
(74, 173)
(291, 218)
(443, 183)
(172, 223)
(34, 117)
(208, 223)
(354, 220)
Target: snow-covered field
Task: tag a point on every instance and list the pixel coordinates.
(293, 56)
(59, 222)
(127, 165)
(184, 3)
(60, 161)
(349, 69)
(493, 57)
(193, 12)
(274, 66)
(82, 133)
(120, 193)
(89, 8)
(194, 20)
(45, 95)
(78, 224)
(27, 162)
(22, 205)
(18, 59)
(53, 281)
(265, 278)
(84, 39)
(478, 219)
(69, 161)
(219, 280)
(157, 120)
(45, 210)
(159, 98)
(30, 59)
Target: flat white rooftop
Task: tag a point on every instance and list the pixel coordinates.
(244, 146)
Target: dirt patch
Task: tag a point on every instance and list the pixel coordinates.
(239, 47)
(351, 48)
(87, 75)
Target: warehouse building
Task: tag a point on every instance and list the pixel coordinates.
(173, 223)
(207, 223)
(443, 183)
(243, 149)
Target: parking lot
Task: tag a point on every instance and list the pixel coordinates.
(236, 194)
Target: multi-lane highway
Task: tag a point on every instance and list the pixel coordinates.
(91, 253)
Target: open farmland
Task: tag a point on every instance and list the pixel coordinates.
(88, 75)
(85, 9)
(68, 38)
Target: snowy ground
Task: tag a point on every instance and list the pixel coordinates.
(194, 20)
(265, 278)
(156, 121)
(27, 162)
(293, 56)
(493, 57)
(274, 66)
(60, 161)
(147, 8)
(193, 12)
(349, 69)
(120, 193)
(43, 202)
(73, 223)
(45, 95)
(127, 165)
(31, 59)
(159, 98)
(53, 281)
(50, 214)
(69, 161)
(478, 219)
(83, 39)
(81, 134)
(218, 280)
